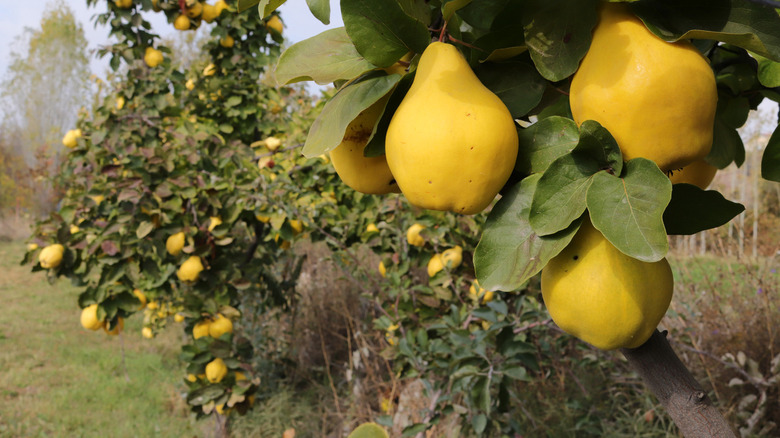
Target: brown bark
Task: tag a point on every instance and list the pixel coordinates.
(680, 394)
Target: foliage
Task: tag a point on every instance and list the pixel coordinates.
(190, 151)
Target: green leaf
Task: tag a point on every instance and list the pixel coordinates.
(544, 142)
(479, 423)
(768, 71)
(692, 210)
(265, 7)
(245, 5)
(449, 7)
(770, 161)
(205, 394)
(744, 23)
(324, 58)
(368, 430)
(517, 84)
(144, 228)
(482, 13)
(558, 34)
(517, 373)
(727, 146)
(381, 31)
(376, 145)
(629, 211)
(320, 9)
(328, 130)
(509, 252)
(560, 195)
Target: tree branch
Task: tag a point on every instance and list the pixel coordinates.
(680, 394)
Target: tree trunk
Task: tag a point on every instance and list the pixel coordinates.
(680, 394)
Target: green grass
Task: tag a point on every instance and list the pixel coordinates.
(58, 379)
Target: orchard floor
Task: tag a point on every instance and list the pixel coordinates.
(58, 380)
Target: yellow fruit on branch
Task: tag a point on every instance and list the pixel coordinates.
(658, 99)
(452, 257)
(275, 24)
(123, 4)
(220, 326)
(435, 265)
(227, 42)
(602, 296)
(153, 57)
(209, 70)
(192, 378)
(119, 326)
(182, 22)
(216, 370)
(214, 222)
(272, 143)
(209, 13)
(297, 226)
(369, 175)
(452, 143)
(195, 10)
(220, 6)
(413, 235)
(178, 317)
(175, 243)
(382, 269)
(141, 298)
(120, 102)
(475, 291)
(71, 138)
(699, 173)
(190, 270)
(89, 319)
(201, 329)
(190, 84)
(371, 228)
(147, 333)
(51, 256)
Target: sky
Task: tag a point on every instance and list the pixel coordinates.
(15, 15)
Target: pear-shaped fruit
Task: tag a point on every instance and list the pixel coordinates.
(452, 143)
(413, 235)
(201, 329)
(699, 173)
(602, 296)
(175, 243)
(141, 298)
(369, 175)
(216, 370)
(220, 326)
(435, 265)
(89, 319)
(51, 256)
(275, 24)
(153, 57)
(657, 99)
(209, 13)
(452, 257)
(190, 269)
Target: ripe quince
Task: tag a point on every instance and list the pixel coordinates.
(413, 235)
(275, 24)
(602, 296)
(452, 143)
(369, 175)
(175, 243)
(699, 173)
(216, 370)
(89, 319)
(190, 269)
(182, 22)
(657, 99)
(51, 256)
(153, 57)
(220, 326)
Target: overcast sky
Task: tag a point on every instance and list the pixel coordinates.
(15, 15)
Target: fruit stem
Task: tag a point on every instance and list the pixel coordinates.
(443, 32)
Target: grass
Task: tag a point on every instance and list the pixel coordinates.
(58, 379)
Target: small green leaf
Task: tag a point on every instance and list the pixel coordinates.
(768, 71)
(381, 31)
(558, 34)
(144, 228)
(328, 130)
(629, 211)
(479, 423)
(692, 210)
(264, 7)
(544, 142)
(509, 252)
(449, 7)
(770, 161)
(744, 23)
(324, 58)
(598, 143)
(320, 9)
(517, 373)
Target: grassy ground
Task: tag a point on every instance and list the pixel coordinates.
(59, 380)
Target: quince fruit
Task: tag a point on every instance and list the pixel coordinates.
(216, 370)
(382, 269)
(51, 256)
(195, 10)
(71, 138)
(227, 42)
(452, 143)
(89, 319)
(275, 24)
(699, 173)
(147, 333)
(602, 296)
(201, 329)
(119, 326)
(141, 298)
(153, 57)
(190, 269)
(657, 99)
(413, 235)
(369, 175)
(220, 326)
(435, 265)
(175, 243)
(182, 22)
(209, 13)
(452, 257)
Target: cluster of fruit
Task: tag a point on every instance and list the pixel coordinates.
(656, 98)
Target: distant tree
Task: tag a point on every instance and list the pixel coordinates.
(45, 85)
